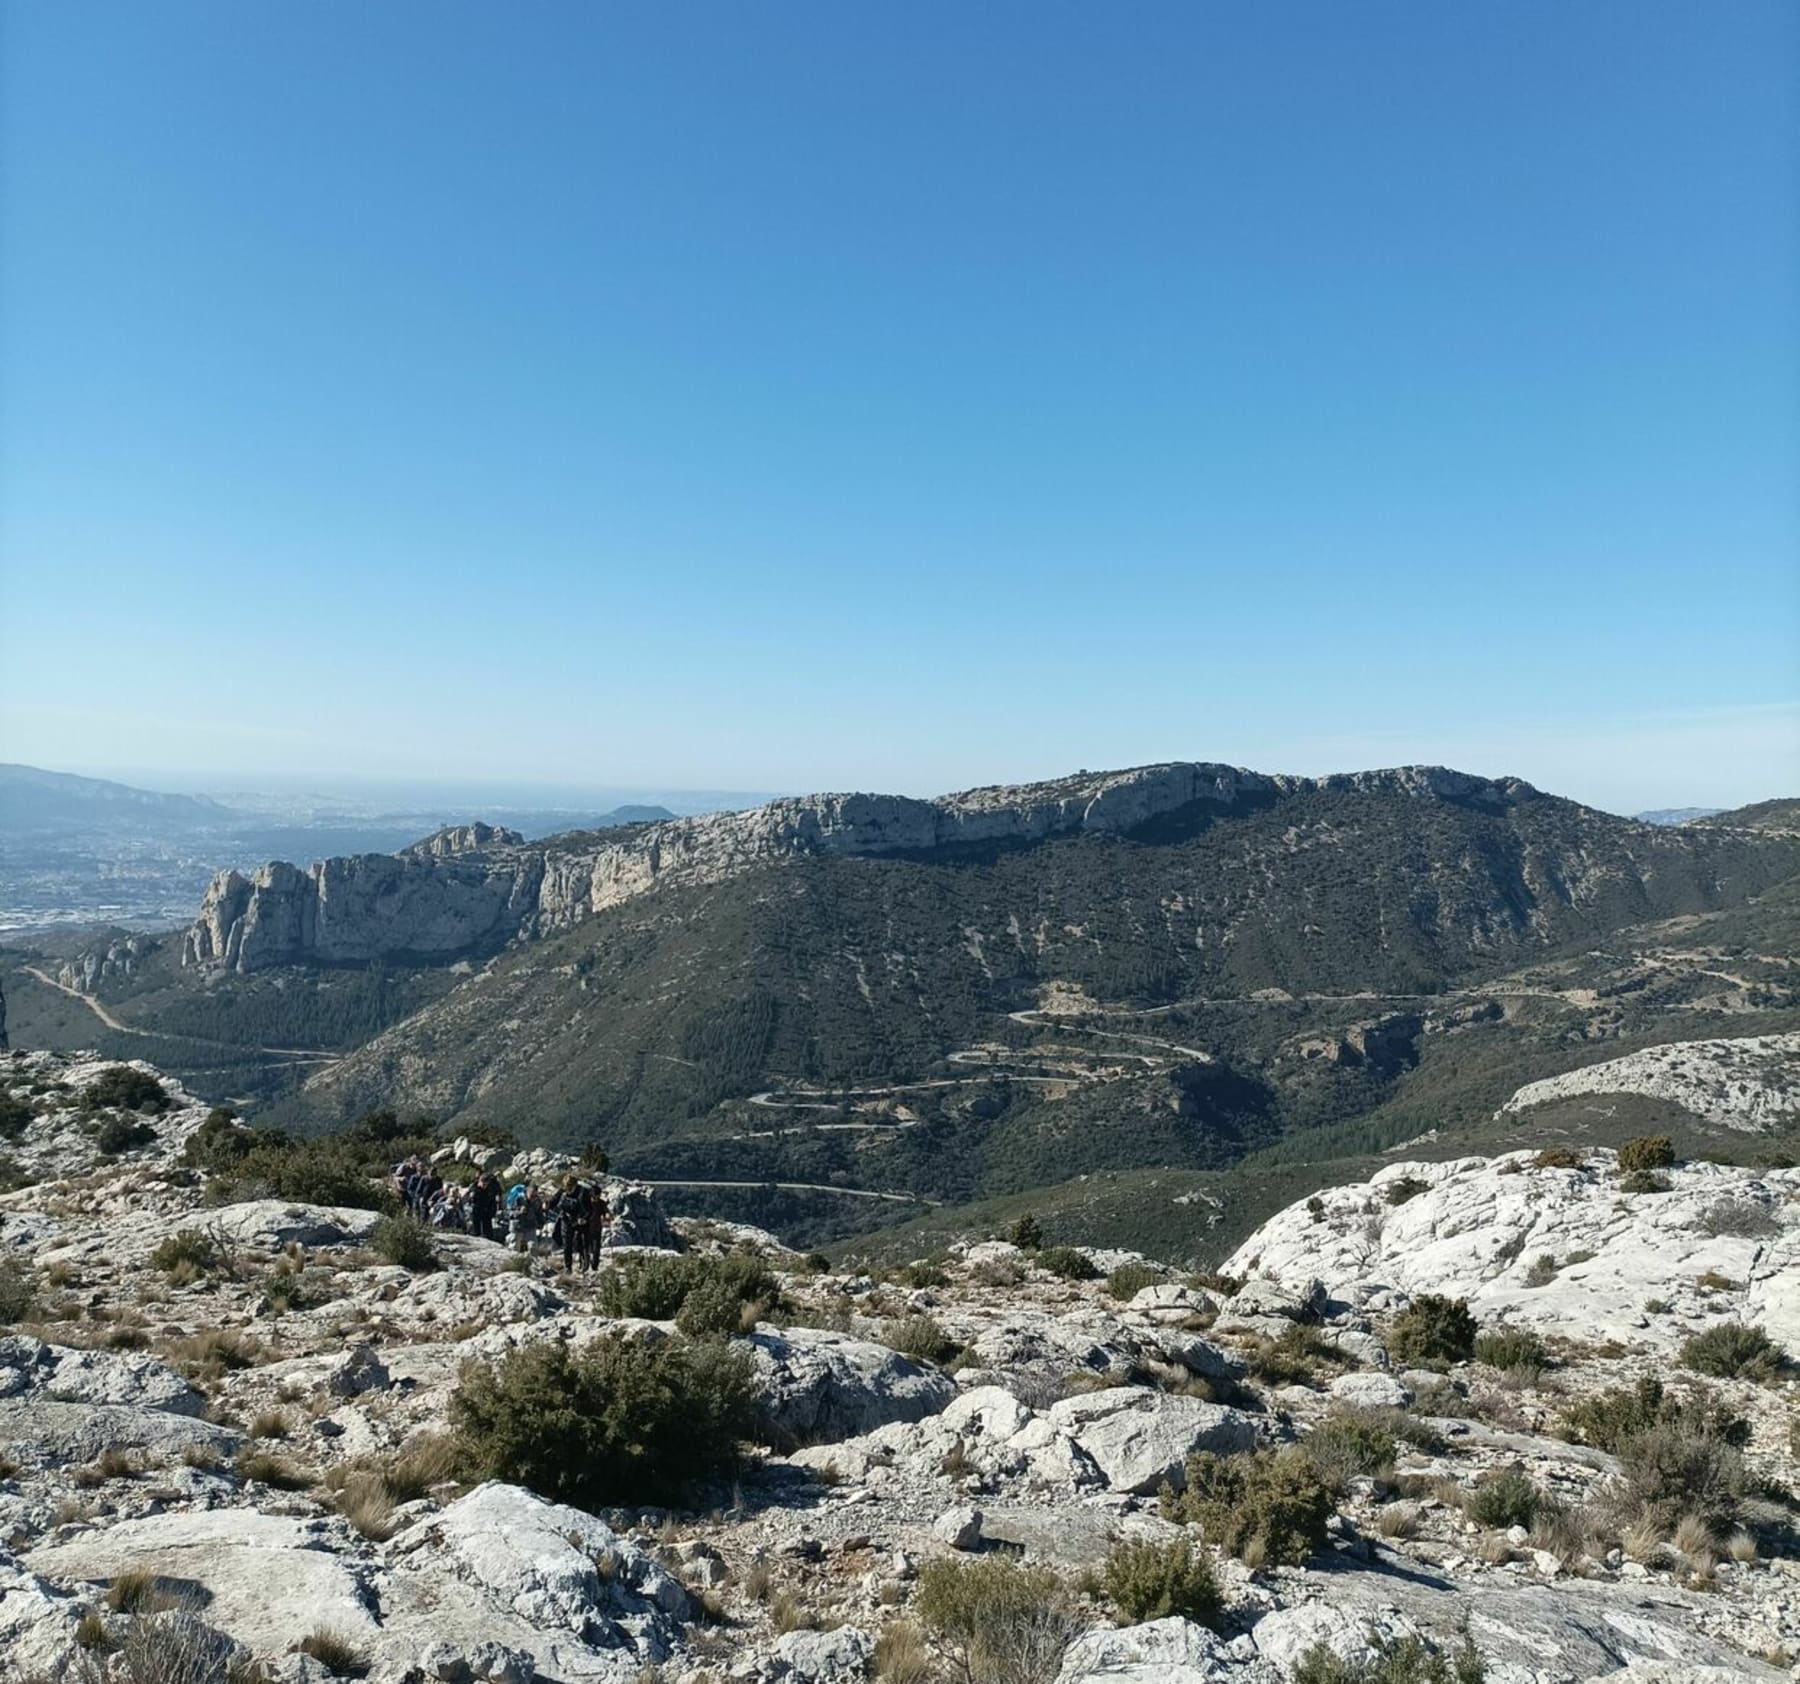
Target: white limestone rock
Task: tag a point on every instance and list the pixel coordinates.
(1482, 1224)
(1168, 1651)
(814, 1385)
(1139, 1438)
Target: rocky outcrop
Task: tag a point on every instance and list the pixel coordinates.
(473, 887)
(462, 839)
(1550, 1248)
(1741, 1082)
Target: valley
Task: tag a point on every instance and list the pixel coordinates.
(1206, 979)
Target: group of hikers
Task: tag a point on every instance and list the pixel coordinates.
(574, 1214)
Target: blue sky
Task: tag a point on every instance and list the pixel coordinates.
(800, 396)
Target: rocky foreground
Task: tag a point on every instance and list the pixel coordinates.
(230, 1437)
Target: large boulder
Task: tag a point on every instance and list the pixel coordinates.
(1169, 1651)
(503, 1566)
(265, 1580)
(30, 1368)
(1139, 1438)
(815, 1386)
(37, 1620)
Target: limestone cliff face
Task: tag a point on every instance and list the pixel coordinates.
(473, 887)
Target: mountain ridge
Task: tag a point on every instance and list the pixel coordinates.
(485, 887)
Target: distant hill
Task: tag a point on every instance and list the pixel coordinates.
(1783, 813)
(1675, 815)
(32, 799)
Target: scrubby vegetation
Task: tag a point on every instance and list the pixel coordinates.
(1408, 1661)
(1732, 1351)
(622, 1420)
(996, 1621)
(1151, 1581)
(120, 1087)
(1504, 1497)
(18, 1289)
(405, 1240)
(921, 1338)
(1349, 1442)
(1267, 1507)
(189, 1251)
(661, 1288)
(1515, 1350)
(1066, 1261)
(1647, 1152)
(1432, 1331)
(1129, 1279)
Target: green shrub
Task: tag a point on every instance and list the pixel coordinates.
(1683, 1465)
(120, 1134)
(1648, 1151)
(1150, 1581)
(1742, 1219)
(1558, 1157)
(18, 1289)
(1610, 1419)
(1349, 1442)
(1643, 1181)
(1066, 1261)
(15, 1114)
(1433, 1330)
(119, 1087)
(189, 1247)
(624, 1420)
(996, 1621)
(1514, 1349)
(1408, 1661)
(1026, 1234)
(1541, 1271)
(656, 1288)
(712, 1309)
(1405, 1187)
(1266, 1507)
(919, 1337)
(220, 1143)
(1732, 1351)
(1129, 1279)
(1504, 1497)
(405, 1240)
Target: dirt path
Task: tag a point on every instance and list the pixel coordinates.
(310, 1055)
(798, 1187)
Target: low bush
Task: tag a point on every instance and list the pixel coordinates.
(1129, 1279)
(1070, 1264)
(1648, 1151)
(623, 1420)
(18, 1289)
(921, 1338)
(1151, 1581)
(1267, 1507)
(1558, 1157)
(713, 1309)
(119, 1087)
(1433, 1330)
(1349, 1442)
(406, 1241)
(1681, 1466)
(1292, 1359)
(1512, 1349)
(658, 1288)
(995, 1620)
(1504, 1497)
(1408, 1661)
(1611, 1419)
(188, 1250)
(278, 1471)
(336, 1653)
(1742, 1219)
(1643, 1181)
(1732, 1351)
(15, 1114)
(1026, 1234)
(1541, 1271)
(1405, 1187)
(121, 1134)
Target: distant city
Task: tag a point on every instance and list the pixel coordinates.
(76, 852)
